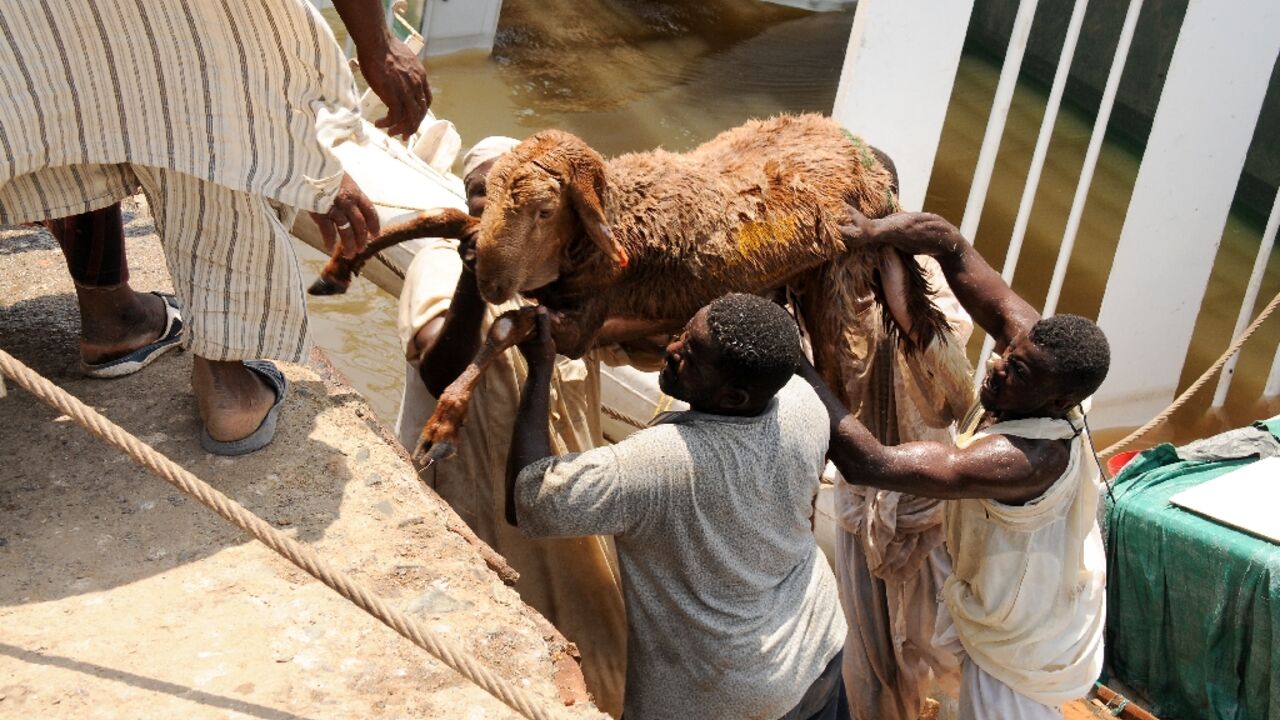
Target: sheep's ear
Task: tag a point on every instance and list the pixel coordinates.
(585, 190)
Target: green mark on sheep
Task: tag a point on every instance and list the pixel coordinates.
(868, 159)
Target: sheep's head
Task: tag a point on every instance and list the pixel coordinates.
(545, 210)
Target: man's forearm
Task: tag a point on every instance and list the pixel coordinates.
(985, 295)
(448, 354)
(978, 287)
(531, 440)
(863, 460)
(365, 23)
(852, 445)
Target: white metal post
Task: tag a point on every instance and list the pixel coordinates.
(1201, 131)
(1091, 156)
(1273, 378)
(1250, 299)
(897, 79)
(999, 114)
(1038, 155)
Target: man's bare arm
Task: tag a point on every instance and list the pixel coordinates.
(444, 346)
(978, 287)
(531, 439)
(392, 70)
(1007, 469)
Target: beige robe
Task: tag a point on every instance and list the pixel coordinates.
(890, 561)
(573, 582)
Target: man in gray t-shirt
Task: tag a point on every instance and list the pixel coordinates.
(731, 610)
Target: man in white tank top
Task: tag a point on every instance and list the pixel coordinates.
(1026, 597)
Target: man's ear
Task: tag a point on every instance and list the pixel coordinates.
(1062, 403)
(733, 398)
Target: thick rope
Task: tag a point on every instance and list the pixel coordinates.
(1182, 399)
(389, 265)
(622, 417)
(518, 699)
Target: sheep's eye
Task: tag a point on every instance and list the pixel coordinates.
(545, 213)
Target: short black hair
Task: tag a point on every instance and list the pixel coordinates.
(757, 341)
(1078, 350)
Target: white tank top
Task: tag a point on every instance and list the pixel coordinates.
(1027, 595)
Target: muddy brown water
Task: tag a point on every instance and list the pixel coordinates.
(631, 75)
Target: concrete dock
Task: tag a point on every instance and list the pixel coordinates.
(123, 598)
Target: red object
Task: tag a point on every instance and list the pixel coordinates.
(1116, 462)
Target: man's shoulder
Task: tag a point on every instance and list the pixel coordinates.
(802, 412)
(1044, 460)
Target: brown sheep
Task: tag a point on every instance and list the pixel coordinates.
(657, 235)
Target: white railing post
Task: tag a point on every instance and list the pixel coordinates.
(1250, 299)
(1091, 156)
(897, 79)
(1273, 378)
(1199, 137)
(995, 122)
(1037, 158)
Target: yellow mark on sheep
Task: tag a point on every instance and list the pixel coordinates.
(755, 236)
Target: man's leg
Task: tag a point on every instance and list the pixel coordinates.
(114, 319)
(234, 270)
(983, 697)
(825, 699)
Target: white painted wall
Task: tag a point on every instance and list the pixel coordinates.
(1200, 134)
(897, 79)
(453, 25)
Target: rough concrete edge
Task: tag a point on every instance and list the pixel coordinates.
(563, 654)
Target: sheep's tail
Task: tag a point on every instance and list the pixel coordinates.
(336, 276)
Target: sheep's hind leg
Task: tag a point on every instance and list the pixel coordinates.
(336, 276)
(439, 438)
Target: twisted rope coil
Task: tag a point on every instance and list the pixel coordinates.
(1186, 395)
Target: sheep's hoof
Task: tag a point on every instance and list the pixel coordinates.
(326, 286)
(428, 453)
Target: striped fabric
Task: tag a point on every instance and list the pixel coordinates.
(221, 111)
(235, 92)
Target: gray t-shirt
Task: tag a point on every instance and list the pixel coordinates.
(731, 610)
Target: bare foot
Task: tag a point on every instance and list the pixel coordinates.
(233, 399)
(114, 322)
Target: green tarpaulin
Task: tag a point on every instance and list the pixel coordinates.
(1193, 606)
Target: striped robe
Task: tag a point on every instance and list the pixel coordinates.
(222, 112)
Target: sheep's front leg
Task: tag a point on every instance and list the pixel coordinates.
(575, 331)
(439, 438)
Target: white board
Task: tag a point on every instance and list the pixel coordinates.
(1245, 499)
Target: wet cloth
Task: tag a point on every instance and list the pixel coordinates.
(572, 581)
(1027, 592)
(731, 610)
(890, 560)
(1252, 441)
(221, 113)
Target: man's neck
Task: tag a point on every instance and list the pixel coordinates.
(991, 417)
